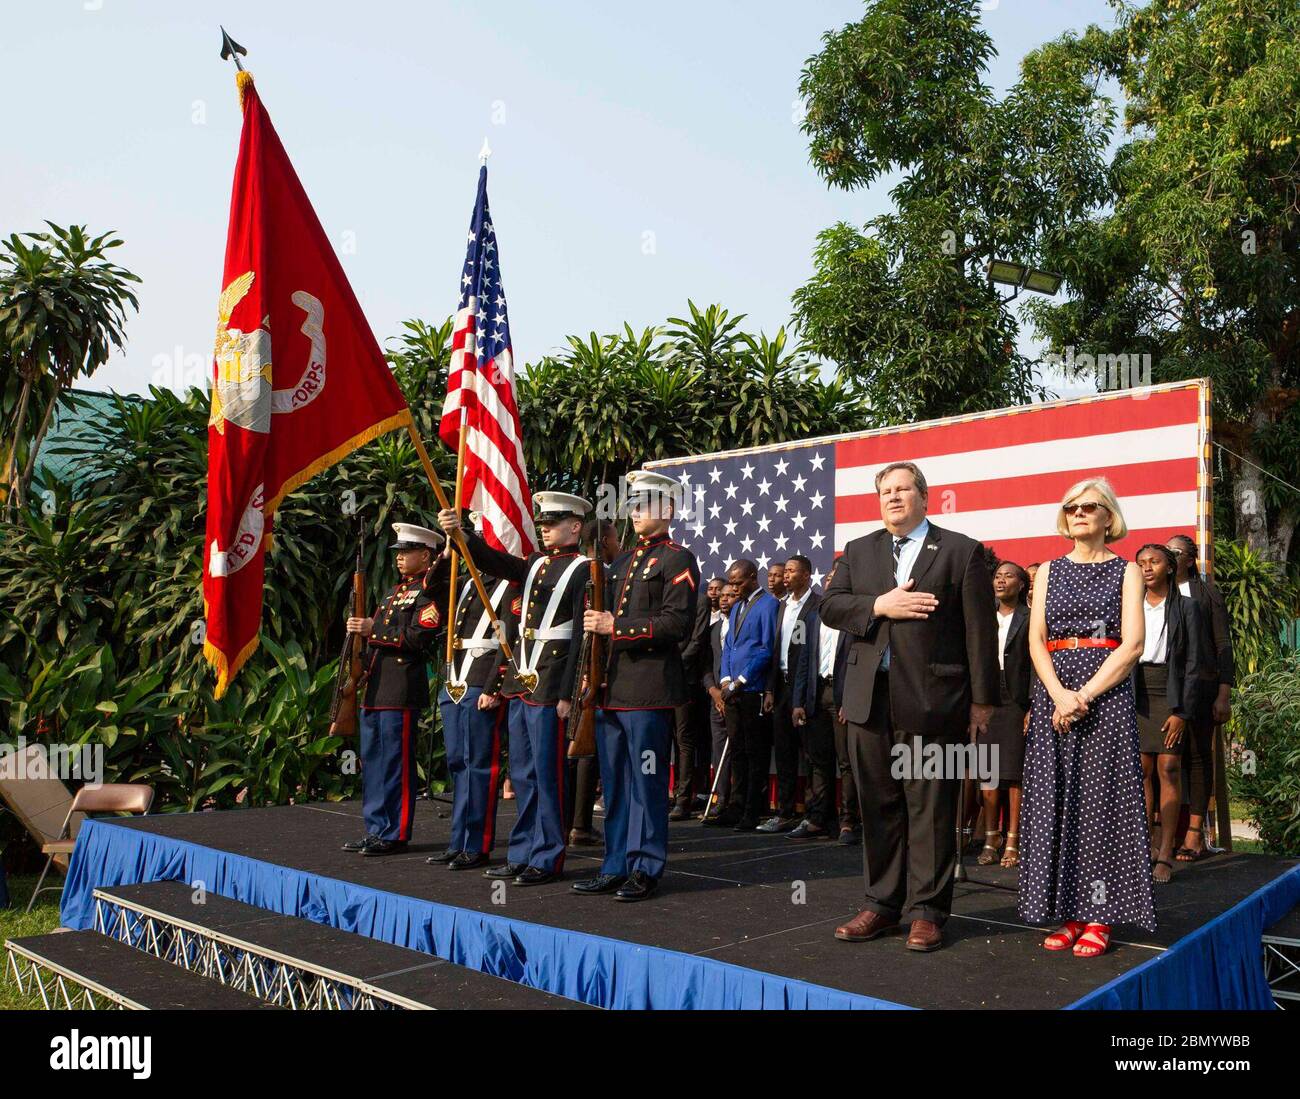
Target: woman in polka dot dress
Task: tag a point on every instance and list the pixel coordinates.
(1086, 861)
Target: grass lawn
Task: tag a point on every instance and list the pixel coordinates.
(14, 923)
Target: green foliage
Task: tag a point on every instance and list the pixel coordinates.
(1195, 256)
(62, 312)
(1265, 762)
(699, 383)
(102, 642)
(1261, 602)
(904, 305)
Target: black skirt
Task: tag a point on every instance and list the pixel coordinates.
(1150, 683)
(1007, 731)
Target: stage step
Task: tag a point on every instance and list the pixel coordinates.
(74, 969)
(1282, 960)
(296, 963)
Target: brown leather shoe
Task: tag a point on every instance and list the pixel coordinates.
(865, 926)
(924, 936)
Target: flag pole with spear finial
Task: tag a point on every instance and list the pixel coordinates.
(232, 51)
(454, 690)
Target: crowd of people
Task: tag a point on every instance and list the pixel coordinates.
(1103, 731)
(1080, 695)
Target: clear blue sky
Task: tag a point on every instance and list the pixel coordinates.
(607, 122)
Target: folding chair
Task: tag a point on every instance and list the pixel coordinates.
(39, 799)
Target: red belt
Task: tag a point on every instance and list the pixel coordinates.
(1082, 643)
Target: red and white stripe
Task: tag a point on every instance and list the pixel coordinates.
(495, 475)
(999, 477)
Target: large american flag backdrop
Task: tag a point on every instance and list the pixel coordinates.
(995, 476)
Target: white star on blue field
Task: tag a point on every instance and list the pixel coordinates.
(762, 505)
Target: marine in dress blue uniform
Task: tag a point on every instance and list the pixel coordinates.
(474, 716)
(552, 582)
(399, 638)
(651, 593)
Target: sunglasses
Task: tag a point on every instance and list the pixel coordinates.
(1087, 508)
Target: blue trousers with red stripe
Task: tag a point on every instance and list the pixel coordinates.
(473, 738)
(634, 747)
(540, 776)
(388, 772)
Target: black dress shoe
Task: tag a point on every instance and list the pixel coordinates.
(601, 883)
(637, 887)
(385, 847)
(721, 820)
(361, 844)
(506, 870)
(848, 837)
(447, 856)
(745, 824)
(467, 860)
(534, 875)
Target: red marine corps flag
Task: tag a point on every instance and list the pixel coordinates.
(298, 380)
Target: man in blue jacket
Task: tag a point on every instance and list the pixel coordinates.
(746, 661)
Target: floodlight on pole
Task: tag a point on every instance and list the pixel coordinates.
(1023, 277)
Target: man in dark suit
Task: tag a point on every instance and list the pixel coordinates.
(921, 674)
(712, 673)
(691, 718)
(797, 607)
(746, 658)
(816, 712)
(1215, 675)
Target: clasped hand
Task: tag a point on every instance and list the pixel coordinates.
(1070, 707)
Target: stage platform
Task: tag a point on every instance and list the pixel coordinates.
(742, 920)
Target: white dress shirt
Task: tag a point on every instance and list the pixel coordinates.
(907, 556)
(790, 611)
(1004, 627)
(1154, 648)
(827, 643)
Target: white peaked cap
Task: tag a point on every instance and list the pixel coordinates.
(556, 505)
(641, 481)
(409, 536)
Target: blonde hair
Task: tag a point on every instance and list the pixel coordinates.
(1116, 529)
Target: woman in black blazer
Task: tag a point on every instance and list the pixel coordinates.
(1165, 688)
(1006, 729)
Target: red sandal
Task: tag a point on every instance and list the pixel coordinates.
(1094, 942)
(1064, 936)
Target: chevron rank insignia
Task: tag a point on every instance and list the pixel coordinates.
(685, 574)
(429, 617)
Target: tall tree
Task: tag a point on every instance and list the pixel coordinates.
(904, 304)
(1195, 259)
(62, 310)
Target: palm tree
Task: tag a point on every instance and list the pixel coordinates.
(62, 311)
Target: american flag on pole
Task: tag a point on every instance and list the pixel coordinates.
(481, 387)
(997, 477)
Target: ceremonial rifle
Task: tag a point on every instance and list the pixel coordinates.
(347, 686)
(591, 673)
